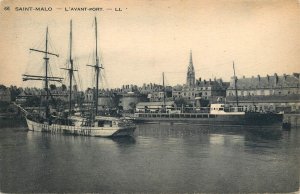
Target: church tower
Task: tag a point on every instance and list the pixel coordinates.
(190, 79)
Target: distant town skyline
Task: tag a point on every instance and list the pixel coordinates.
(147, 38)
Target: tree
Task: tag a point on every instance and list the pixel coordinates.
(14, 92)
(181, 102)
(52, 87)
(204, 102)
(132, 105)
(3, 106)
(33, 101)
(2, 87)
(64, 87)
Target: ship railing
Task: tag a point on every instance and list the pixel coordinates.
(180, 115)
(234, 109)
(195, 109)
(176, 110)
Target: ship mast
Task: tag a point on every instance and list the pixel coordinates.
(164, 88)
(45, 78)
(235, 86)
(70, 70)
(46, 75)
(97, 69)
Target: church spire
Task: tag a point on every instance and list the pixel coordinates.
(190, 79)
(191, 59)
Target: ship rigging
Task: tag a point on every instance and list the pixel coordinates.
(75, 124)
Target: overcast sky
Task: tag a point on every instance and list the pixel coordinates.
(151, 37)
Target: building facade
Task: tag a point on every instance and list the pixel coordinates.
(269, 93)
(128, 101)
(211, 90)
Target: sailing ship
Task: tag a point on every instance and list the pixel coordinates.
(216, 114)
(93, 125)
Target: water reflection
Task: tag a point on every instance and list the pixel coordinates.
(263, 134)
(124, 141)
(181, 131)
(159, 158)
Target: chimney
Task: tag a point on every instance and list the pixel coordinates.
(284, 76)
(276, 79)
(296, 75)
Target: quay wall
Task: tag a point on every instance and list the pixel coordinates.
(294, 119)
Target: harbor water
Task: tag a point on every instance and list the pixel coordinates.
(159, 158)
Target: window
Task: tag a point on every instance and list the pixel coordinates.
(100, 123)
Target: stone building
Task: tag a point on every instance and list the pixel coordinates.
(106, 101)
(270, 93)
(112, 99)
(128, 101)
(211, 90)
(160, 94)
(89, 95)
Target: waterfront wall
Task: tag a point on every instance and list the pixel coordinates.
(294, 119)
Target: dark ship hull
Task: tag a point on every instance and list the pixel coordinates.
(249, 118)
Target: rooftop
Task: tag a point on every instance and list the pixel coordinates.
(267, 82)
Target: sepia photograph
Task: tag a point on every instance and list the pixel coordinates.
(144, 96)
